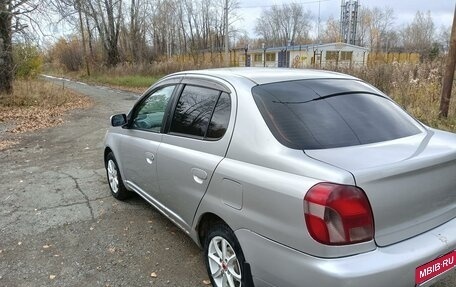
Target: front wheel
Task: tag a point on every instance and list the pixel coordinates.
(116, 185)
(224, 258)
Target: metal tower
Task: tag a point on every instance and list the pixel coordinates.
(348, 20)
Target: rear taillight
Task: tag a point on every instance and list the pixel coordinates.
(338, 214)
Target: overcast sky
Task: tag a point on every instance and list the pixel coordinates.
(404, 10)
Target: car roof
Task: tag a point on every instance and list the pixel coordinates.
(268, 75)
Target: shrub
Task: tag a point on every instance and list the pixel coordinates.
(68, 53)
(28, 60)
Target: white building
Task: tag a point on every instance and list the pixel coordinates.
(303, 56)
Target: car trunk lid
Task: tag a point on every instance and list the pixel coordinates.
(410, 182)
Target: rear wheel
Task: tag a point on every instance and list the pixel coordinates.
(116, 185)
(224, 258)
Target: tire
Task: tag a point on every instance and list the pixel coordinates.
(115, 182)
(228, 270)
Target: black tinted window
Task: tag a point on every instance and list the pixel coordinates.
(318, 122)
(193, 111)
(220, 118)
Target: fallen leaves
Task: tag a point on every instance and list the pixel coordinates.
(5, 144)
(36, 105)
(32, 118)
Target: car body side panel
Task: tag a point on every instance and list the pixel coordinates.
(180, 176)
(272, 206)
(137, 153)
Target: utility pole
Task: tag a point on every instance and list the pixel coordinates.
(227, 57)
(449, 72)
(318, 25)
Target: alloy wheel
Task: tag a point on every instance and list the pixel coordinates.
(223, 263)
(112, 176)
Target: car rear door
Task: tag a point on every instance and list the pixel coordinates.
(197, 140)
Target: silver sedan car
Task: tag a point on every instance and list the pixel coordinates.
(291, 177)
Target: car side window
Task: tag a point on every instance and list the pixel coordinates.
(220, 118)
(149, 114)
(201, 112)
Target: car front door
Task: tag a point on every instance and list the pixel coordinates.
(196, 142)
(141, 139)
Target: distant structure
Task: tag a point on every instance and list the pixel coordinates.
(348, 20)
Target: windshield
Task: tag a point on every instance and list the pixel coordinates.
(301, 118)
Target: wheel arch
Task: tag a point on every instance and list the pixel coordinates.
(205, 221)
(107, 150)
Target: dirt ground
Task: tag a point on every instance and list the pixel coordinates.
(59, 226)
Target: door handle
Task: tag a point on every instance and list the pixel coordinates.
(199, 175)
(150, 157)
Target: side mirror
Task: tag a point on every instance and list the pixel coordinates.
(118, 120)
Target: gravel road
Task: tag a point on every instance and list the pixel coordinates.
(59, 226)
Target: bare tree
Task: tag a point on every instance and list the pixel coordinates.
(11, 12)
(278, 25)
(107, 16)
(418, 36)
(331, 32)
(381, 21)
(444, 37)
(190, 25)
(391, 41)
(362, 30)
(137, 29)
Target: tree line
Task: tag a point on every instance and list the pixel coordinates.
(141, 30)
(377, 29)
(144, 31)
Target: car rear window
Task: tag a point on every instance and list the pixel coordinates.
(302, 119)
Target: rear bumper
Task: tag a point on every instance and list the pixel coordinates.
(273, 264)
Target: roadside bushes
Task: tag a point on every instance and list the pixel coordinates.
(28, 60)
(67, 53)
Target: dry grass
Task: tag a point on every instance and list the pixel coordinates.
(416, 87)
(130, 76)
(35, 104)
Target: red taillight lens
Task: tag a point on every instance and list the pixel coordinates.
(338, 214)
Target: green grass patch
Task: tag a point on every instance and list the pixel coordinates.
(132, 81)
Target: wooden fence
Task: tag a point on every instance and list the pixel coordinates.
(388, 58)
